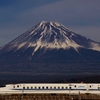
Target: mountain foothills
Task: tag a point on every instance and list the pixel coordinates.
(49, 50)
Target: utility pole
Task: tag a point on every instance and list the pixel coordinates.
(79, 96)
(69, 92)
(23, 91)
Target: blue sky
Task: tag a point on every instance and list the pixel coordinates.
(17, 16)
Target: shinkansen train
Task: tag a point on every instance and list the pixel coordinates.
(65, 88)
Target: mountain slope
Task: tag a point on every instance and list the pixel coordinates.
(47, 37)
(50, 49)
(50, 35)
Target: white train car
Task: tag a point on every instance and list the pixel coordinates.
(64, 88)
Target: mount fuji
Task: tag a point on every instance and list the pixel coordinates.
(50, 48)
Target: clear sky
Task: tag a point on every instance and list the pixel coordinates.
(17, 16)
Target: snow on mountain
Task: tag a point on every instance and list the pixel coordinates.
(50, 35)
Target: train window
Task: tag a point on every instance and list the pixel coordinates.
(62, 87)
(47, 87)
(70, 87)
(23, 87)
(27, 87)
(66, 87)
(58, 87)
(43, 87)
(13, 86)
(35, 87)
(54, 87)
(75, 86)
(50, 87)
(39, 88)
(90, 86)
(17, 85)
(99, 88)
(31, 87)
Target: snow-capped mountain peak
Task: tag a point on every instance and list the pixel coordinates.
(51, 35)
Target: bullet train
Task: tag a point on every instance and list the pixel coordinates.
(62, 88)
